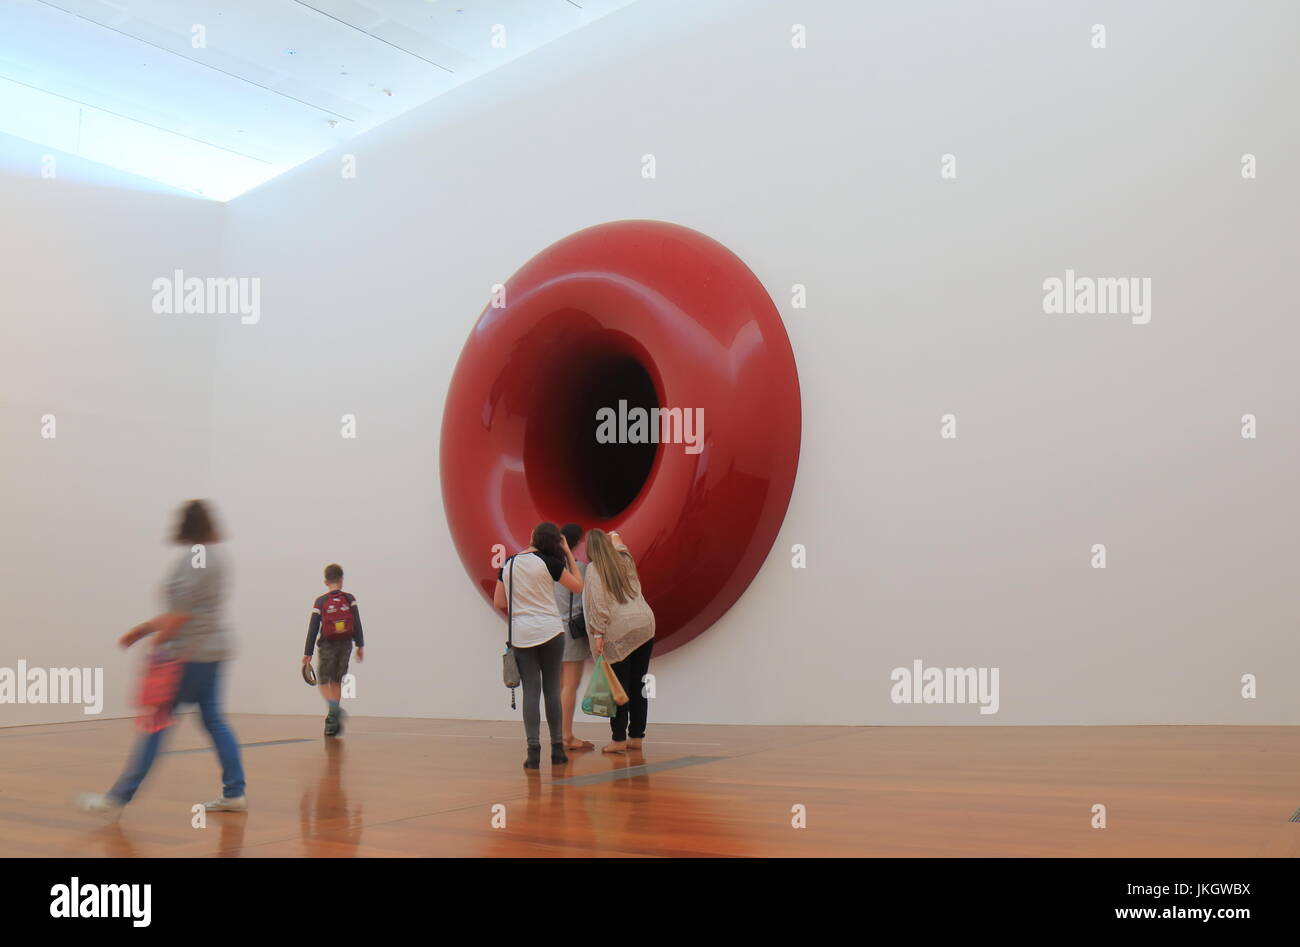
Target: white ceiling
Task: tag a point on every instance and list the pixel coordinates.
(217, 96)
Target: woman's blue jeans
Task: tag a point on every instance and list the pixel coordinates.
(200, 682)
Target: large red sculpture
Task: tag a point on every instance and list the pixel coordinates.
(627, 315)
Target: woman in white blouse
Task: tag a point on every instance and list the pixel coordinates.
(525, 590)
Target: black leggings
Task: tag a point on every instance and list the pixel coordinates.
(631, 718)
(541, 669)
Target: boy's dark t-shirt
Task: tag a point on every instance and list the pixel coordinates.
(313, 629)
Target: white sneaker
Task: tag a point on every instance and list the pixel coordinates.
(96, 803)
(238, 804)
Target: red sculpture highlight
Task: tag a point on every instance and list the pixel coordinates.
(597, 334)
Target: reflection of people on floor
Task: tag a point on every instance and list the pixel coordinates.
(621, 812)
(231, 841)
(548, 819)
(330, 826)
(626, 816)
(117, 844)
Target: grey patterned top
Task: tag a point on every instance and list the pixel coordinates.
(198, 592)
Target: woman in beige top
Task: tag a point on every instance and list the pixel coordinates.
(622, 628)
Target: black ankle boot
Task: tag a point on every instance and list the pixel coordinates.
(534, 760)
(558, 755)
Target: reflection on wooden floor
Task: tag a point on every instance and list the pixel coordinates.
(408, 787)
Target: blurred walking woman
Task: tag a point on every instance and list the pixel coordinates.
(537, 632)
(622, 628)
(191, 631)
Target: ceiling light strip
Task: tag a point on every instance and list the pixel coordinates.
(132, 118)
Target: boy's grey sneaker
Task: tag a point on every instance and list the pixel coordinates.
(100, 804)
(238, 804)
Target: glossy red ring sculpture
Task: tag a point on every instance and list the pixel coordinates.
(659, 316)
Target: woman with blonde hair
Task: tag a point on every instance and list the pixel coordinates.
(622, 628)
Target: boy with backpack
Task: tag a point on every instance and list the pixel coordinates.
(335, 618)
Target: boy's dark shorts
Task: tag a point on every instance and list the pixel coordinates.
(333, 660)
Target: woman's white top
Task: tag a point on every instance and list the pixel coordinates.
(536, 619)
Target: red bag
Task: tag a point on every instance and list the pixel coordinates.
(336, 616)
(158, 690)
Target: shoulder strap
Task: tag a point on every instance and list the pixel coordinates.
(510, 607)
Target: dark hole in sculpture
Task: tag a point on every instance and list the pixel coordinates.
(572, 474)
(610, 475)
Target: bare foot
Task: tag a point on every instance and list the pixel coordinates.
(614, 748)
(634, 743)
(573, 743)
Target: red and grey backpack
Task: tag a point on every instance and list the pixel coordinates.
(336, 616)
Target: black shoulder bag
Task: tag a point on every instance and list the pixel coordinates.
(577, 626)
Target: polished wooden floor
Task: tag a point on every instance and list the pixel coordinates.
(408, 787)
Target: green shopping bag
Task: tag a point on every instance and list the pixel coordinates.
(599, 700)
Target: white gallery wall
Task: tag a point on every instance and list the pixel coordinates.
(818, 166)
(104, 418)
